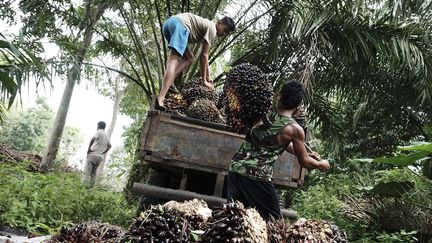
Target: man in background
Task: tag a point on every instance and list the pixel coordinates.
(98, 147)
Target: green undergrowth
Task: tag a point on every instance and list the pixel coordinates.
(42, 203)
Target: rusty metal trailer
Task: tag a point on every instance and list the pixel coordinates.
(193, 157)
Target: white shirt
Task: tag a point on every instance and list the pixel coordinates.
(100, 144)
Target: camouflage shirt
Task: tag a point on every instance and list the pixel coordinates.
(259, 151)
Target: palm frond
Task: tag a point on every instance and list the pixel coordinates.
(16, 65)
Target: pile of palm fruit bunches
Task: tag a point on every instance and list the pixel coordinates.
(193, 221)
(197, 101)
(245, 99)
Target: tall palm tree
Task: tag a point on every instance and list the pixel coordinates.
(344, 50)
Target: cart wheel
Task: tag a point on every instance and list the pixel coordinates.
(156, 178)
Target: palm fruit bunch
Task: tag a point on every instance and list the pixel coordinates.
(233, 223)
(301, 117)
(92, 231)
(205, 110)
(248, 95)
(195, 89)
(220, 99)
(315, 231)
(175, 103)
(195, 211)
(277, 231)
(159, 225)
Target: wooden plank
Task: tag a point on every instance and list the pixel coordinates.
(152, 132)
(296, 170)
(145, 132)
(153, 158)
(219, 184)
(200, 127)
(183, 181)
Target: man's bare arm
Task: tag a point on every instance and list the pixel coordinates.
(204, 65)
(313, 154)
(290, 149)
(295, 134)
(107, 148)
(91, 143)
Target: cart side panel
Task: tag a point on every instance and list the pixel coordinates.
(176, 140)
(179, 141)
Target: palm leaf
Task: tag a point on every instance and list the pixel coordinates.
(402, 159)
(426, 147)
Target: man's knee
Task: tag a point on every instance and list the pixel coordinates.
(188, 62)
(189, 57)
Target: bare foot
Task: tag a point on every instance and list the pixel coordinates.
(160, 105)
(208, 84)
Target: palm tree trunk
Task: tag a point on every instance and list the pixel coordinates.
(73, 76)
(118, 96)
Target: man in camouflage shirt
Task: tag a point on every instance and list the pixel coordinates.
(251, 168)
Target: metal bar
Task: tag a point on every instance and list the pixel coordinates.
(289, 214)
(178, 195)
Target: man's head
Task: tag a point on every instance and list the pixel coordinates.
(224, 26)
(291, 95)
(101, 125)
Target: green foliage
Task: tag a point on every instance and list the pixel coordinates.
(365, 200)
(135, 105)
(117, 169)
(28, 131)
(402, 159)
(316, 203)
(323, 198)
(417, 153)
(402, 236)
(70, 143)
(424, 147)
(132, 143)
(366, 68)
(37, 202)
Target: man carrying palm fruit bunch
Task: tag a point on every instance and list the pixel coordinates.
(251, 168)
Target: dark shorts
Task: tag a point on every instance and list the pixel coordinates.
(176, 34)
(260, 195)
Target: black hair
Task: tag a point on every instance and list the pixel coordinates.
(101, 125)
(228, 22)
(291, 94)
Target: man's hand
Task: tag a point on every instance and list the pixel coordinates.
(324, 165)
